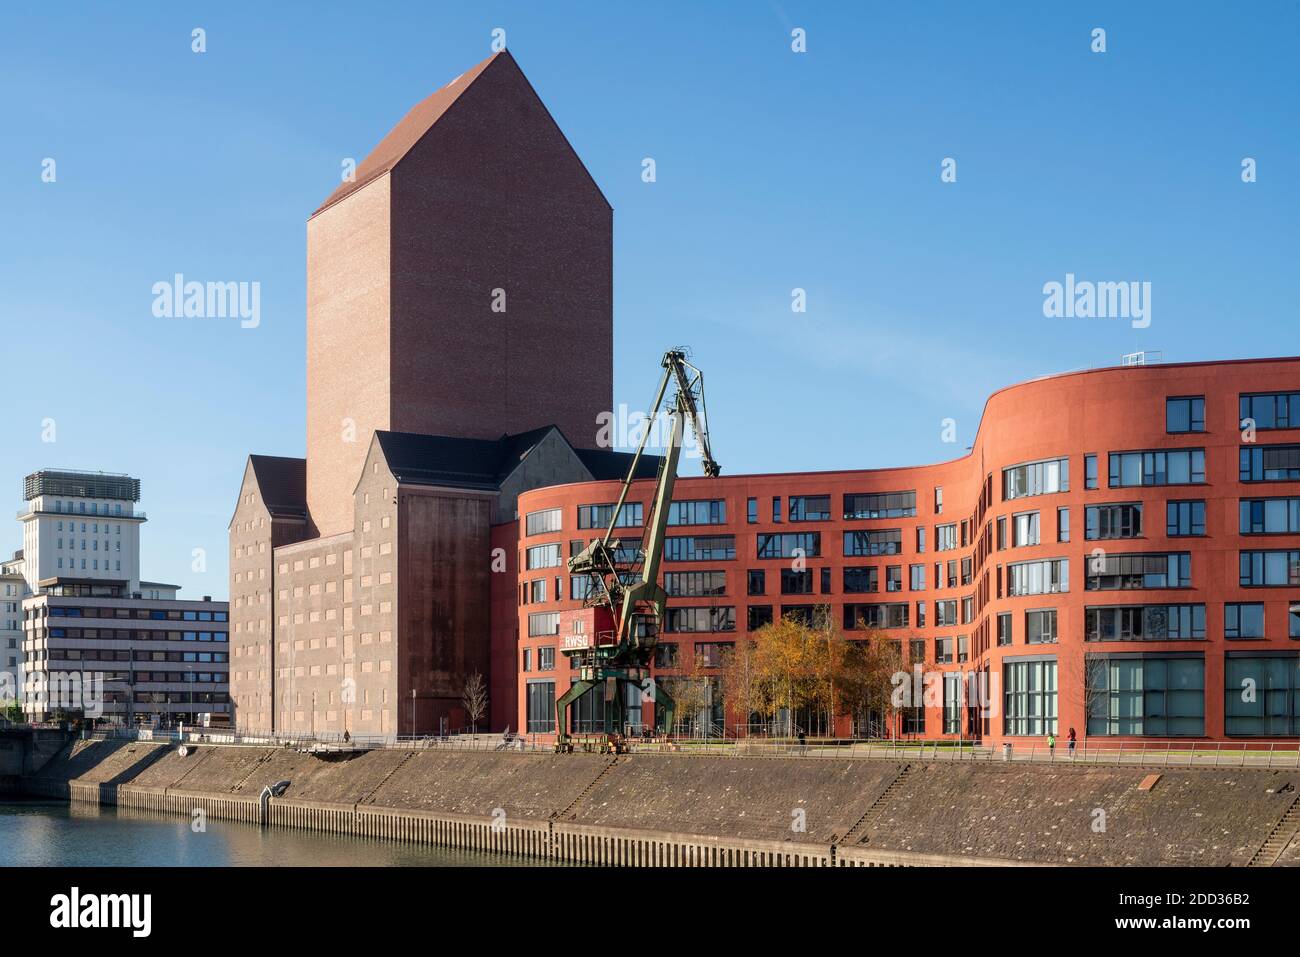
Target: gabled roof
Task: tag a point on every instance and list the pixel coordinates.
(283, 484)
(408, 132)
(485, 464)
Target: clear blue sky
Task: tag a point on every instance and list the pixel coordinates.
(776, 170)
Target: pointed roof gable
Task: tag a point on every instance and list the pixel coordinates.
(282, 483)
(408, 132)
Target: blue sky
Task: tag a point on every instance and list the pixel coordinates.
(775, 170)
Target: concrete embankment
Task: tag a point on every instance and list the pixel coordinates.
(649, 809)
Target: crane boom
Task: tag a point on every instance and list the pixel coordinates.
(631, 607)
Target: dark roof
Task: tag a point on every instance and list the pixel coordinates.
(462, 463)
(282, 482)
(604, 464)
(486, 463)
(408, 132)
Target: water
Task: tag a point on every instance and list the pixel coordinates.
(55, 834)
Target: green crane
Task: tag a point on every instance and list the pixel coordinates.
(617, 632)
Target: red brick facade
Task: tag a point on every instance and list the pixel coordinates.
(1100, 413)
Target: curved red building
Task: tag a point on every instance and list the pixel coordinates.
(1119, 553)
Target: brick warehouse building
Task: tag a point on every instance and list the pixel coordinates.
(446, 285)
(1115, 523)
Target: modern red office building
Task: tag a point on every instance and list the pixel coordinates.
(1132, 531)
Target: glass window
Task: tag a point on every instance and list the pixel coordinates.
(1036, 478)
(1270, 568)
(1089, 471)
(1004, 628)
(1062, 524)
(1144, 623)
(1185, 518)
(1154, 467)
(884, 541)
(880, 505)
(598, 516)
(1115, 571)
(1271, 410)
(699, 548)
(1261, 695)
(541, 707)
(543, 556)
(1270, 516)
(1040, 626)
(1029, 694)
(790, 545)
(861, 579)
(1185, 414)
(1025, 529)
(1038, 578)
(548, 520)
(1145, 695)
(704, 512)
(1244, 620)
(751, 511)
(1270, 463)
(1121, 520)
(757, 582)
(810, 508)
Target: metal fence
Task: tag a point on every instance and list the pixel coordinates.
(1213, 754)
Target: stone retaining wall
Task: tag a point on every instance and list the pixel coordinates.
(654, 810)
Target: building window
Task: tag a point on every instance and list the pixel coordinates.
(917, 577)
(894, 578)
(666, 654)
(776, 508)
(1040, 627)
(1145, 695)
(943, 651)
(1062, 524)
(1185, 518)
(1112, 572)
(703, 512)
(790, 545)
(548, 520)
(885, 541)
(1038, 578)
(1270, 516)
(756, 583)
(751, 511)
(1270, 463)
(1175, 467)
(1261, 695)
(541, 707)
(826, 581)
(1270, 568)
(916, 651)
(598, 516)
(1112, 521)
(892, 615)
(810, 508)
(700, 548)
(1036, 478)
(1025, 530)
(880, 505)
(1185, 414)
(1004, 628)
(945, 537)
(1245, 620)
(543, 623)
(796, 582)
(945, 613)
(543, 556)
(695, 584)
(1089, 471)
(700, 619)
(759, 616)
(1144, 623)
(954, 700)
(920, 614)
(920, 539)
(546, 658)
(1271, 410)
(1029, 697)
(938, 500)
(860, 579)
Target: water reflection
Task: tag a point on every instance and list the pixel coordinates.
(53, 834)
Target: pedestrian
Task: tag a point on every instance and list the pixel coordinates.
(1072, 742)
(1051, 744)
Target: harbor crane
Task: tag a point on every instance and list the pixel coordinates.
(611, 640)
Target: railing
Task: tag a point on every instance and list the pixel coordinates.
(327, 740)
